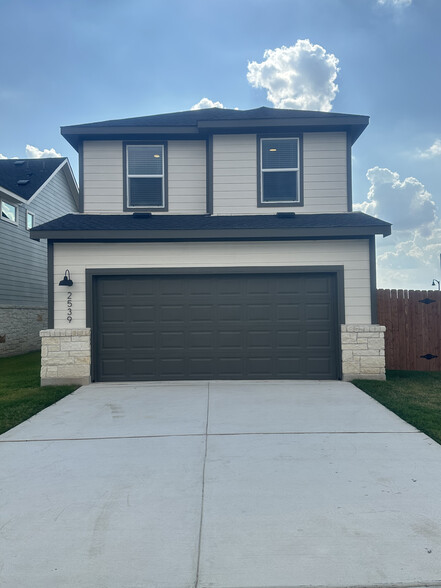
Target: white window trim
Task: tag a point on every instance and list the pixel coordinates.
(8, 220)
(283, 169)
(28, 213)
(162, 176)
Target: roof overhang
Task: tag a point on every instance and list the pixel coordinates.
(354, 125)
(4, 192)
(211, 235)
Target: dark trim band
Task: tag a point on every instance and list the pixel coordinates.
(212, 235)
(349, 173)
(81, 176)
(373, 280)
(50, 285)
(209, 168)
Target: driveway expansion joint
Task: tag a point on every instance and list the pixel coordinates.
(206, 434)
(203, 489)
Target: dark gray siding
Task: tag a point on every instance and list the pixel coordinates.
(23, 263)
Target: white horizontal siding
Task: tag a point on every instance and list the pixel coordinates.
(103, 176)
(187, 183)
(235, 174)
(77, 257)
(324, 172)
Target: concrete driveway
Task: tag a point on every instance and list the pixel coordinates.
(220, 485)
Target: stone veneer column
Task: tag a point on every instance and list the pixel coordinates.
(363, 352)
(65, 356)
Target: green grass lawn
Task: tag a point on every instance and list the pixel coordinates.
(21, 395)
(413, 396)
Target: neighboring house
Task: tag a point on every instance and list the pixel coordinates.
(32, 192)
(214, 244)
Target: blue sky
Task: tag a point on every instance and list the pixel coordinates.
(75, 61)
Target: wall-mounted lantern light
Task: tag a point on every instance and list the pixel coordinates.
(66, 281)
(436, 284)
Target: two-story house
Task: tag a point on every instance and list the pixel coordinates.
(214, 244)
(32, 192)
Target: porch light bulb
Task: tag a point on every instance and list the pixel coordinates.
(156, 155)
(273, 149)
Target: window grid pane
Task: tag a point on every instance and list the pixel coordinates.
(280, 154)
(9, 212)
(145, 160)
(146, 192)
(280, 186)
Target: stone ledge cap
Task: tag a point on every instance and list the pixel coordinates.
(65, 333)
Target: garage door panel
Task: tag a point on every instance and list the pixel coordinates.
(290, 367)
(200, 313)
(318, 366)
(215, 327)
(316, 339)
(230, 340)
(115, 341)
(231, 366)
(259, 312)
(317, 285)
(259, 339)
(318, 312)
(113, 367)
(229, 312)
(113, 287)
(288, 312)
(141, 367)
(200, 339)
(143, 340)
(291, 339)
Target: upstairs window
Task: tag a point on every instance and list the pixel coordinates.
(279, 171)
(145, 176)
(29, 220)
(9, 212)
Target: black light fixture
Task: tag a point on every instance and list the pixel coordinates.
(436, 284)
(66, 281)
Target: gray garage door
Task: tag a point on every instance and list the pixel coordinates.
(223, 326)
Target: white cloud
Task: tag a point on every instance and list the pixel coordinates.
(206, 103)
(301, 76)
(35, 153)
(409, 258)
(396, 2)
(433, 151)
(406, 203)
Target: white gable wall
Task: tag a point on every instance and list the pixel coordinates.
(77, 257)
(234, 175)
(187, 177)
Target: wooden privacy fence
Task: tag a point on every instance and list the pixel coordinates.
(413, 328)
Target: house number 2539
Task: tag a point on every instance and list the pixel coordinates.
(69, 307)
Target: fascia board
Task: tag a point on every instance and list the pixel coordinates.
(287, 122)
(209, 235)
(12, 195)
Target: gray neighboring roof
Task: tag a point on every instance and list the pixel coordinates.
(205, 227)
(24, 177)
(202, 121)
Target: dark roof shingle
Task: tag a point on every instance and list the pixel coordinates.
(196, 122)
(107, 226)
(25, 176)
